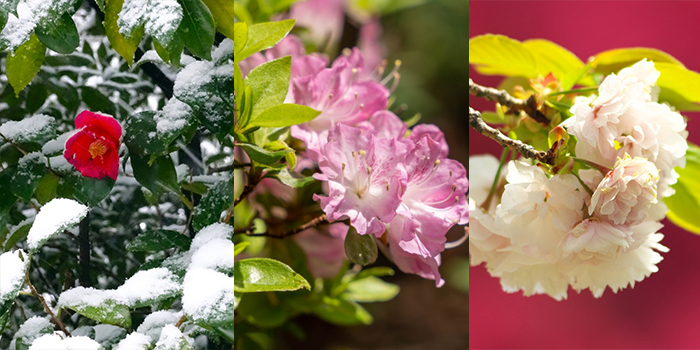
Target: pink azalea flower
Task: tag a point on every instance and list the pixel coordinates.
(342, 94)
(365, 176)
(426, 267)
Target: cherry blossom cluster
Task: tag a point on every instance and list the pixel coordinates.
(596, 226)
(388, 181)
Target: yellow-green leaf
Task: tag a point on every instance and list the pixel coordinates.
(240, 37)
(222, 10)
(550, 57)
(23, 65)
(613, 61)
(126, 47)
(499, 55)
(684, 205)
(679, 86)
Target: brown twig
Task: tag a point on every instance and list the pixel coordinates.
(313, 223)
(181, 321)
(526, 150)
(41, 299)
(13, 144)
(246, 191)
(528, 106)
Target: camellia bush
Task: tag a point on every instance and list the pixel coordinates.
(595, 156)
(116, 174)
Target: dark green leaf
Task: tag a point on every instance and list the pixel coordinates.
(197, 28)
(219, 198)
(97, 101)
(158, 177)
(158, 240)
(110, 312)
(60, 34)
(360, 249)
(140, 135)
(30, 171)
(86, 190)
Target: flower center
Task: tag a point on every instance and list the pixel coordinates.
(98, 148)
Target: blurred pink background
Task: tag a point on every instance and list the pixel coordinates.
(661, 312)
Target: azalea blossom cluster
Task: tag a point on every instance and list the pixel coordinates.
(596, 226)
(388, 181)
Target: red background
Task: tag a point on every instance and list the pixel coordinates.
(663, 311)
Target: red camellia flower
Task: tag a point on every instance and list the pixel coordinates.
(94, 149)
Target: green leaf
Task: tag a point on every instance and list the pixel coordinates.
(360, 249)
(97, 101)
(499, 55)
(6, 201)
(46, 190)
(260, 155)
(290, 179)
(22, 66)
(222, 10)
(266, 275)
(126, 47)
(158, 176)
(197, 28)
(284, 115)
(492, 117)
(140, 135)
(550, 57)
(219, 198)
(679, 86)
(263, 36)
(240, 36)
(5, 309)
(60, 34)
(613, 61)
(17, 233)
(158, 240)
(371, 290)
(109, 312)
(30, 171)
(257, 309)
(84, 189)
(684, 205)
(240, 247)
(269, 83)
(236, 300)
(342, 312)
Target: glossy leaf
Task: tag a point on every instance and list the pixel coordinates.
(60, 35)
(110, 312)
(140, 135)
(197, 28)
(222, 10)
(263, 36)
(219, 198)
(285, 115)
(269, 83)
(22, 66)
(158, 240)
(126, 47)
(371, 290)
(260, 155)
(158, 177)
(266, 275)
(30, 171)
(360, 249)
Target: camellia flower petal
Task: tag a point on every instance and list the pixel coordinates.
(94, 149)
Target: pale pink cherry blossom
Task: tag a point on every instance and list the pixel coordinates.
(596, 238)
(635, 264)
(658, 134)
(324, 248)
(537, 211)
(596, 125)
(365, 176)
(625, 194)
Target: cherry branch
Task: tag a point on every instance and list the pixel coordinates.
(526, 150)
(313, 223)
(528, 106)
